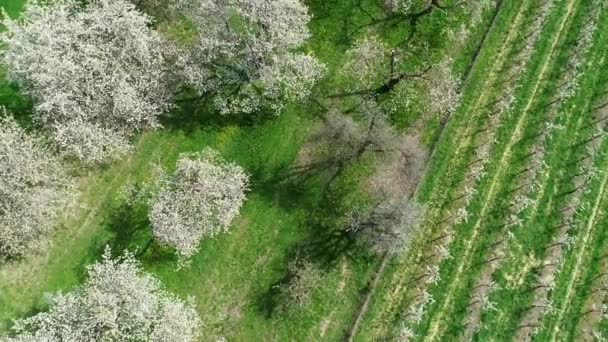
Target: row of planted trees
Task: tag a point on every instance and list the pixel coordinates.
(471, 154)
(531, 177)
(468, 163)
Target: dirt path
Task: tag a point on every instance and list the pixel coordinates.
(350, 335)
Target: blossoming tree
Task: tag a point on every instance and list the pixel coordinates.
(97, 72)
(247, 55)
(33, 189)
(118, 302)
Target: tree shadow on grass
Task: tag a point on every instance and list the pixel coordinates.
(37, 308)
(190, 116)
(287, 195)
(325, 243)
(19, 106)
(328, 239)
(340, 14)
(305, 187)
(129, 230)
(193, 113)
(269, 300)
(132, 232)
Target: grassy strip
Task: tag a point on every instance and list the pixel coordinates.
(578, 259)
(509, 146)
(570, 326)
(529, 243)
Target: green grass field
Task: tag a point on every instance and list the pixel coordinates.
(12, 7)
(233, 277)
(513, 243)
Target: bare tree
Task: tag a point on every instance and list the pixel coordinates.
(34, 189)
(118, 302)
(98, 72)
(342, 140)
(246, 55)
(304, 277)
(400, 170)
(387, 226)
(350, 139)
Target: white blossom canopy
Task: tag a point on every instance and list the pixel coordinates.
(118, 302)
(247, 53)
(199, 200)
(367, 64)
(444, 95)
(97, 72)
(33, 190)
(398, 5)
(408, 7)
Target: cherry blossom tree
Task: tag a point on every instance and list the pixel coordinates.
(247, 56)
(373, 69)
(118, 302)
(98, 72)
(366, 64)
(199, 200)
(444, 96)
(34, 189)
